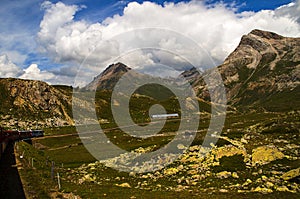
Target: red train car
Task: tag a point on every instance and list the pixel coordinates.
(3, 141)
(7, 136)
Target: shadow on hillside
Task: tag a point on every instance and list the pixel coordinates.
(10, 182)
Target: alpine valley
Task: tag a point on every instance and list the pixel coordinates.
(257, 154)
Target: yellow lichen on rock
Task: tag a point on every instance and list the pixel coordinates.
(125, 185)
(223, 174)
(263, 190)
(87, 178)
(228, 151)
(265, 154)
(291, 174)
(171, 171)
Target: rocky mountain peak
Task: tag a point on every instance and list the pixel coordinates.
(108, 78)
(116, 68)
(262, 46)
(266, 34)
(265, 67)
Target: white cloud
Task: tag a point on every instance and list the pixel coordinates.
(216, 28)
(292, 10)
(67, 40)
(8, 68)
(33, 72)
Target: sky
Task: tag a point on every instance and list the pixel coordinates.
(72, 41)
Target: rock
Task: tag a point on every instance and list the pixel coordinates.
(171, 171)
(180, 167)
(244, 141)
(265, 154)
(125, 184)
(269, 184)
(223, 190)
(263, 190)
(196, 177)
(235, 175)
(264, 178)
(223, 174)
(192, 172)
(248, 181)
(292, 174)
(228, 151)
(282, 188)
(87, 178)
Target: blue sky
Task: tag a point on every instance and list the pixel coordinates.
(22, 42)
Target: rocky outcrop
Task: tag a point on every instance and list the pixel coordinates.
(27, 103)
(265, 154)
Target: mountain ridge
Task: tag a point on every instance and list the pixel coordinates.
(262, 73)
(264, 66)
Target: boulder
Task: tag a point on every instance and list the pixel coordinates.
(292, 174)
(265, 154)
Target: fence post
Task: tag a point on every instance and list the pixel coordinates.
(52, 170)
(58, 181)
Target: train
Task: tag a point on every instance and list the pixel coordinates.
(7, 136)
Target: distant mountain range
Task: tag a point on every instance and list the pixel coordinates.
(262, 73)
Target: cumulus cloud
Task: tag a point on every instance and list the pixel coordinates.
(216, 29)
(33, 72)
(8, 68)
(68, 40)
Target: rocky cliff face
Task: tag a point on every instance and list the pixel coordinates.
(263, 71)
(28, 103)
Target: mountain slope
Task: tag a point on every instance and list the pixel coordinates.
(28, 103)
(108, 78)
(262, 72)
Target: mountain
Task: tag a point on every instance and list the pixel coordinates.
(29, 103)
(262, 72)
(108, 78)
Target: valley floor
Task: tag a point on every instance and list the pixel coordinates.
(256, 156)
